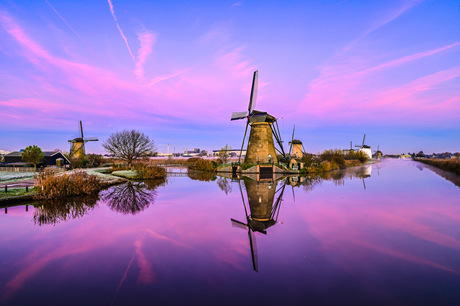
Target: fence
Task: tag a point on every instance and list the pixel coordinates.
(17, 169)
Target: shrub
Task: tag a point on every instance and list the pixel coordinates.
(203, 164)
(335, 157)
(192, 160)
(50, 185)
(148, 172)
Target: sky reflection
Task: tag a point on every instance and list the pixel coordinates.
(397, 241)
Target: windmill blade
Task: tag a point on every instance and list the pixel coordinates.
(239, 224)
(364, 184)
(364, 138)
(351, 145)
(293, 193)
(254, 255)
(81, 129)
(290, 148)
(253, 97)
(303, 148)
(238, 116)
(91, 139)
(242, 145)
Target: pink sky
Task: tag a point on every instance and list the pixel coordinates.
(337, 71)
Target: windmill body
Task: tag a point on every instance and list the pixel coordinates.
(77, 145)
(297, 149)
(264, 131)
(365, 149)
(261, 147)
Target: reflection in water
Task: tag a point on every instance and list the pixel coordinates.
(224, 184)
(449, 176)
(264, 210)
(54, 211)
(201, 175)
(337, 176)
(132, 197)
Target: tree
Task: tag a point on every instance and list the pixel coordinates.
(32, 155)
(203, 153)
(129, 145)
(223, 153)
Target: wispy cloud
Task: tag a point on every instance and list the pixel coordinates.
(350, 87)
(120, 30)
(147, 41)
(169, 76)
(70, 27)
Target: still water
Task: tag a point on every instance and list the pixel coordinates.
(387, 233)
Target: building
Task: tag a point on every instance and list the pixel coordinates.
(230, 152)
(51, 158)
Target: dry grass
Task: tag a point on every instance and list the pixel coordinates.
(49, 185)
(451, 165)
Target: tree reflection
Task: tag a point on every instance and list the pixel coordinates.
(132, 197)
(201, 175)
(55, 211)
(224, 184)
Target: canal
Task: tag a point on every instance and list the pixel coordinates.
(386, 233)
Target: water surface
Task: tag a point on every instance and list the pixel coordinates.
(387, 233)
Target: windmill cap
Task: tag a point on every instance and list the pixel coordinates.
(295, 141)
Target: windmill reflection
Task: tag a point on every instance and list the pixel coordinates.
(52, 212)
(132, 197)
(264, 202)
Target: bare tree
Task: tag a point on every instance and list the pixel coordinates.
(129, 145)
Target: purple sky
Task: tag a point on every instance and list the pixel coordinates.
(176, 70)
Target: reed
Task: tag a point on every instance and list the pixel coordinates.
(451, 165)
(50, 185)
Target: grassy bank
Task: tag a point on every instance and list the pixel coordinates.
(451, 165)
(139, 171)
(16, 192)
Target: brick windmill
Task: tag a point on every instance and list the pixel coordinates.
(264, 128)
(77, 145)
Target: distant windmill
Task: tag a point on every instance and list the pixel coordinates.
(261, 147)
(365, 148)
(296, 148)
(377, 154)
(77, 145)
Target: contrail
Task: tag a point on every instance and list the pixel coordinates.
(119, 29)
(79, 37)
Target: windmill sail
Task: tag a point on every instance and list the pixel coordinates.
(254, 88)
(238, 115)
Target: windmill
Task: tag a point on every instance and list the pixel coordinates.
(377, 154)
(264, 211)
(365, 148)
(77, 145)
(264, 127)
(296, 148)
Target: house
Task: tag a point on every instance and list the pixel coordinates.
(296, 164)
(51, 158)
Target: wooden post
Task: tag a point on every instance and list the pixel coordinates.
(27, 188)
(6, 188)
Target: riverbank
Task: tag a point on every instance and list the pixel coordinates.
(451, 165)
